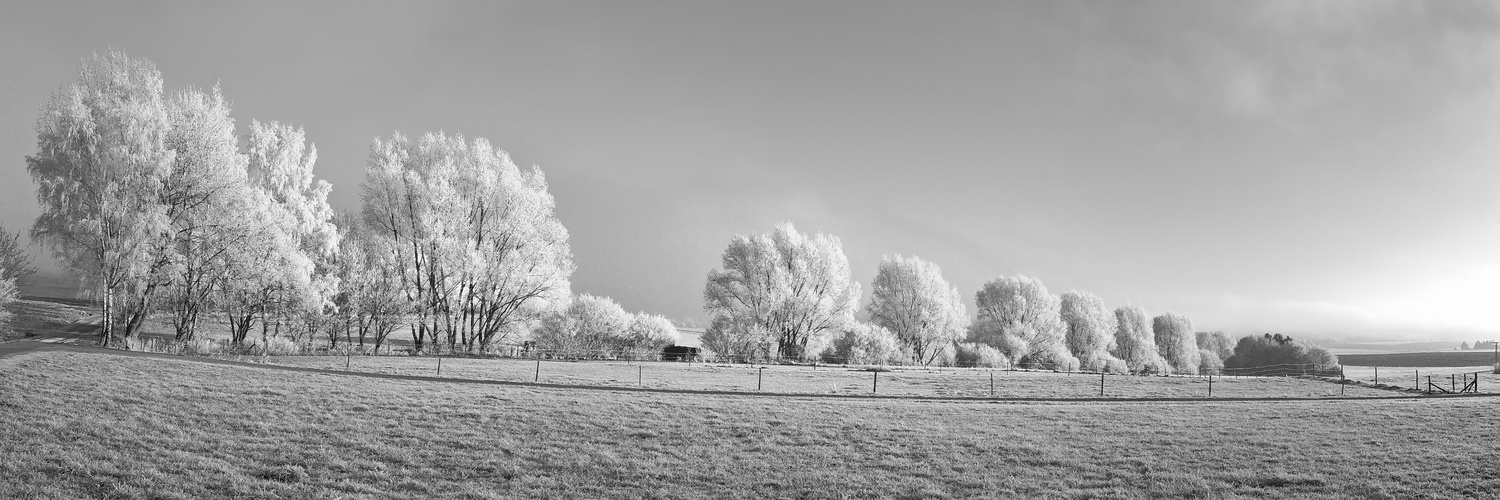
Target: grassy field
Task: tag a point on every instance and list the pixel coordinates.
(1421, 359)
(88, 425)
(960, 382)
(40, 316)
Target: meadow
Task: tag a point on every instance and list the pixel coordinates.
(94, 425)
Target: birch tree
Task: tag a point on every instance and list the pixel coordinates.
(910, 298)
(793, 287)
(101, 164)
(476, 240)
(1135, 343)
(1177, 343)
(1020, 318)
(1090, 331)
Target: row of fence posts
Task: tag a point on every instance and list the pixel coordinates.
(875, 378)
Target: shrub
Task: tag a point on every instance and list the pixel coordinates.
(281, 346)
(979, 355)
(202, 347)
(865, 344)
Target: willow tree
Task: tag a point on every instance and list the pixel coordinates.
(910, 298)
(1090, 331)
(783, 290)
(1135, 343)
(476, 239)
(1018, 316)
(101, 164)
(1176, 342)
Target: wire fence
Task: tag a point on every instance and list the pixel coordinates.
(695, 371)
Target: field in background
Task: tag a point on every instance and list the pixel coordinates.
(107, 426)
(1422, 359)
(797, 379)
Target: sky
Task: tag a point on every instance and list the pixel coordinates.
(1324, 169)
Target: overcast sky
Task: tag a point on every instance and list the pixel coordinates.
(1313, 168)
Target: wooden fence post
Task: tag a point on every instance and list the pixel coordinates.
(875, 386)
(440, 366)
(538, 369)
(758, 372)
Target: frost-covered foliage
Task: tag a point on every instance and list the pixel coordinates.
(979, 355)
(1275, 349)
(910, 298)
(784, 286)
(589, 326)
(1214, 347)
(207, 204)
(1091, 331)
(371, 300)
(1020, 318)
(649, 333)
(729, 339)
(595, 326)
(101, 164)
(1135, 343)
(1176, 342)
(285, 274)
(15, 263)
(865, 344)
(475, 239)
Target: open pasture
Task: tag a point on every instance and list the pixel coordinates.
(796, 379)
(1434, 359)
(91, 425)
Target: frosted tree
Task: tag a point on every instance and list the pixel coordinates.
(370, 299)
(1020, 318)
(589, 326)
(15, 263)
(206, 202)
(866, 344)
(101, 164)
(1135, 343)
(910, 298)
(730, 338)
(649, 333)
(1176, 342)
(476, 240)
(1214, 348)
(793, 287)
(285, 275)
(1090, 331)
(281, 165)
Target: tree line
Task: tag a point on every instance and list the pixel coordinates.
(163, 208)
(788, 295)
